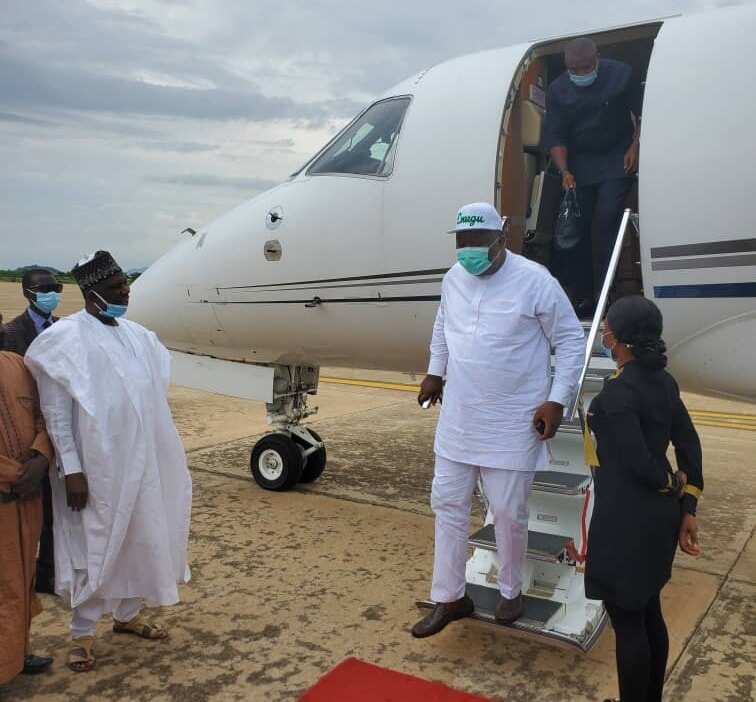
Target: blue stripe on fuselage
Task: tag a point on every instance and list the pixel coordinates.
(706, 290)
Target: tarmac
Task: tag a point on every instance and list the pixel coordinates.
(286, 585)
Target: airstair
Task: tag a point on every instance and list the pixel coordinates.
(560, 507)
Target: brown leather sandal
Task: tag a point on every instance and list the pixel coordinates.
(80, 656)
(139, 626)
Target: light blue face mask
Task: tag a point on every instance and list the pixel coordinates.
(111, 310)
(474, 259)
(585, 80)
(46, 302)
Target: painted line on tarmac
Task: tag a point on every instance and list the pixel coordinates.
(706, 418)
(725, 415)
(404, 387)
(724, 425)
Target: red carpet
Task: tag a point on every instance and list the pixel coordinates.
(355, 681)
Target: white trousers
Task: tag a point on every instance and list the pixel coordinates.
(87, 614)
(451, 498)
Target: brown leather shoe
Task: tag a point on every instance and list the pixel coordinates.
(442, 614)
(508, 611)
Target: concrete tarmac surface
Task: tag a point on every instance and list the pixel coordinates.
(286, 585)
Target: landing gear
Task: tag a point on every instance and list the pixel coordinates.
(315, 462)
(276, 462)
(292, 453)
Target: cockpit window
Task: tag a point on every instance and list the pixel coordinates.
(368, 145)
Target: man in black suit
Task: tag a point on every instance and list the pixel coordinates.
(42, 291)
(592, 132)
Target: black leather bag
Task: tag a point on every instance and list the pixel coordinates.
(569, 226)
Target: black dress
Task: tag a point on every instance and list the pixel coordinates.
(636, 520)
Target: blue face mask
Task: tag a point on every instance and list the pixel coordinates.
(585, 80)
(474, 259)
(46, 302)
(111, 310)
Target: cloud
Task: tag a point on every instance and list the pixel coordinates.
(274, 143)
(207, 180)
(183, 147)
(93, 57)
(28, 84)
(150, 98)
(22, 119)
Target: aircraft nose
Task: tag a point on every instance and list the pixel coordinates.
(156, 299)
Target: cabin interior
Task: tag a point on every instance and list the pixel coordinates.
(528, 187)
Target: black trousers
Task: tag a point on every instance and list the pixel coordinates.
(46, 557)
(603, 202)
(642, 650)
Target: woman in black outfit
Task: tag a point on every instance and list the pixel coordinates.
(642, 508)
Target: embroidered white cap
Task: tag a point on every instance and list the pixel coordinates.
(478, 215)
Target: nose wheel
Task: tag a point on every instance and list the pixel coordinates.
(280, 461)
(315, 462)
(276, 462)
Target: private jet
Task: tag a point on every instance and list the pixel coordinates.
(341, 265)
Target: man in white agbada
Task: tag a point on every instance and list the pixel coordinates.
(122, 492)
(499, 318)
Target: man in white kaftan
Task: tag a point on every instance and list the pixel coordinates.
(499, 318)
(122, 493)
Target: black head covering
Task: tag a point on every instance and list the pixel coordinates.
(94, 269)
(638, 323)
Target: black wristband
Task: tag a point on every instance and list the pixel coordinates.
(689, 504)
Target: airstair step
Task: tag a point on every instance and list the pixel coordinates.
(598, 346)
(536, 618)
(571, 426)
(541, 546)
(561, 483)
(537, 612)
(599, 369)
(602, 366)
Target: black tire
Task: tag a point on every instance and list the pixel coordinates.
(315, 463)
(283, 462)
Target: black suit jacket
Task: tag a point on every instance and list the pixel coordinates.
(18, 334)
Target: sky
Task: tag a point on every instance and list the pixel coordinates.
(123, 122)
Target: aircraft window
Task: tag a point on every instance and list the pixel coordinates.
(367, 146)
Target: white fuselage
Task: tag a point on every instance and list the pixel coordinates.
(373, 249)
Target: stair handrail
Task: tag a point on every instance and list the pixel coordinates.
(598, 315)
